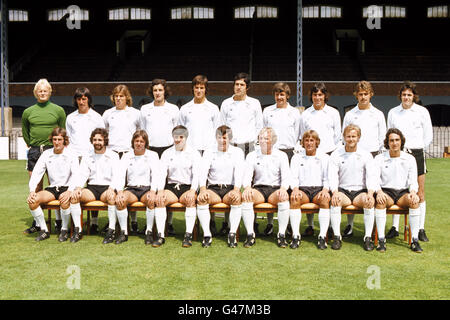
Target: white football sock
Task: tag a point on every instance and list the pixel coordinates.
(310, 219)
(57, 214)
(295, 217)
(335, 218)
(248, 215)
(112, 217)
(75, 211)
(150, 215)
(369, 220)
(414, 222)
(350, 219)
(205, 217)
(37, 222)
(423, 210)
(235, 218)
(380, 218)
(122, 216)
(190, 215)
(160, 217)
(395, 221)
(324, 221)
(65, 217)
(38, 215)
(283, 216)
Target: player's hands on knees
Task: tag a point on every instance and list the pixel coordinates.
(324, 195)
(65, 197)
(120, 199)
(381, 197)
(336, 199)
(413, 198)
(190, 196)
(110, 195)
(160, 198)
(282, 195)
(296, 195)
(235, 195)
(31, 197)
(247, 195)
(203, 196)
(76, 195)
(369, 201)
(151, 198)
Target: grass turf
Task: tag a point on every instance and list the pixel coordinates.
(32, 270)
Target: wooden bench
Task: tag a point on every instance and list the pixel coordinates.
(262, 208)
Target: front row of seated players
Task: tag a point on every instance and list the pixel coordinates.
(350, 175)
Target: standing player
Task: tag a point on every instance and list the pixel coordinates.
(322, 118)
(372, 123)
(221, 180)
(180, 164)
(200, 116)
(397, 174)
(158, 119)
(370, 119)
(98, 168)
(326, 121)
(351, 179)
(122, 121)
(414, 122)
(310, 185)
(79, 125)
(137, 180)
(243, 114)
(62, 169)
(266, 179)
(38, 121)
(285, 120)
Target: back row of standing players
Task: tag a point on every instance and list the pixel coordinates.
(245, 117)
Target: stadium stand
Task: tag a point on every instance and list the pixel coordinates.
(177, 50)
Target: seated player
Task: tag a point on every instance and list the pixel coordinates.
(62, 168)
(397, 174)
(351, 178)
(137, 180)
(180, 164)
(221, 181)
(266, 179)
(310, 185)
(97, 168)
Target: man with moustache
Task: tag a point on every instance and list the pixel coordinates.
(98, 169)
